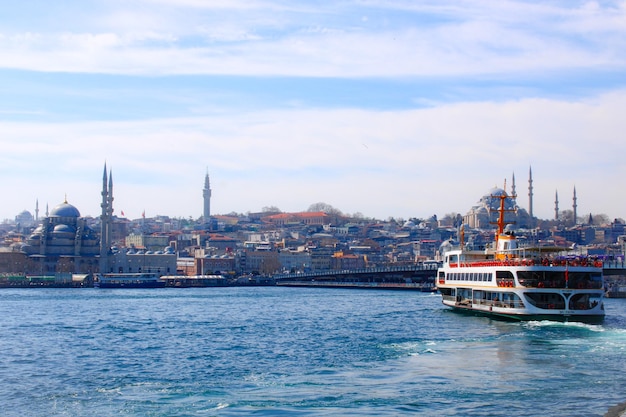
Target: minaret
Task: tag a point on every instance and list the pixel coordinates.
(206, 194)
(37, 210)
(105, 220)
(556, 205)
(530, 193)
(513, 186)
(575, 206)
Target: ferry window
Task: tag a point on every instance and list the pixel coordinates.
(504, 274)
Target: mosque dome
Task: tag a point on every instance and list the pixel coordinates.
(64, 228)
(496, 191)
(65, 209)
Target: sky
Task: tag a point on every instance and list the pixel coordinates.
(399, 108)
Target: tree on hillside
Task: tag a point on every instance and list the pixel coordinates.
(455, 219)
(597, 219)
(326, 208)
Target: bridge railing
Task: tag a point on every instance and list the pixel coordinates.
(613, 264)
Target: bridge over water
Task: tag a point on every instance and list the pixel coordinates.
(417, 276)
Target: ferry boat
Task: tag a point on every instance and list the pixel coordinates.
(139, 280)
(514, 282)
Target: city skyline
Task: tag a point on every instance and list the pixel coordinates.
(387, 109)
(510, 187)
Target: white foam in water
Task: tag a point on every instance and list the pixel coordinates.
(571, 324)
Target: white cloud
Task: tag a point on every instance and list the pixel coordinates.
(271, 39)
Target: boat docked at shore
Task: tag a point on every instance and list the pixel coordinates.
(138, 280)
(522, 283)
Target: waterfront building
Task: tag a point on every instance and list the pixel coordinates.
(131, 261)
(259, 261)
(208, 264)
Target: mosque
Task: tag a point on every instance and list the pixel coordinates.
(63, 237)
(484, 214)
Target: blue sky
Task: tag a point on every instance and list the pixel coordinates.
(391, 109)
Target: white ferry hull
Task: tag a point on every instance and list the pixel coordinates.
(525, 314)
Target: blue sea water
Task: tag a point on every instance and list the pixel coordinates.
(270, 351)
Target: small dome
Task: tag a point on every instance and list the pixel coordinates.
(63, 228)
(65, 209)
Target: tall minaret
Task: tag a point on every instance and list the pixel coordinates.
(530, 193)
(105, 220)
(206, 194)
(575, 206)
(513, 186)
(37, 210)
(556, 205)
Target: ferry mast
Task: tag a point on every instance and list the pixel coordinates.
(501, 223)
